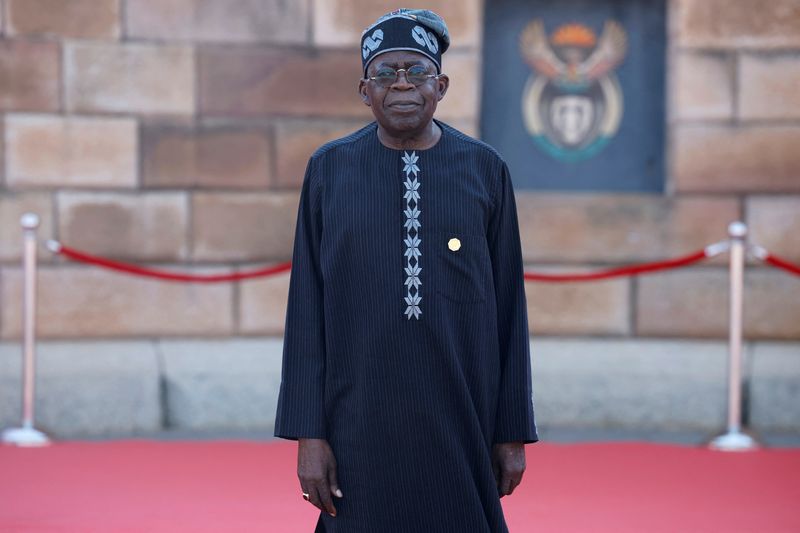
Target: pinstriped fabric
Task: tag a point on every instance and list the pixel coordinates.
(411, 403)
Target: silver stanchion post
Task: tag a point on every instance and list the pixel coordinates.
(734, 439)
(28, 435)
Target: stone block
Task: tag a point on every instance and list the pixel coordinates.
(12, 207)
(2, 141)
(619, 228)
(702, 86)
(57, 151)
(462, 100)
(694, 303)
(635, 384)
(775, 387)
(226, 157)
(468, 126)
(340, 22)
(30, 75)
(270, 21)
(690, 302)
(241, 81)
(768, 86)
(757, 158)
(244, 227)
(771, 305)
(738, 23)
(87, 302)
(148, 226)
(596, 308)
(774, 223)
(129, 78)
(262, 305)
(222, 384)
(296, 140)
(86, 389)
(76, 19)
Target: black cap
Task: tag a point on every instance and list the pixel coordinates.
(418, 30)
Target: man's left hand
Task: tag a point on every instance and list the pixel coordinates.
(508, 462)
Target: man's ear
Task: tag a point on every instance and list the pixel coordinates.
(442, 84)
(362, 90)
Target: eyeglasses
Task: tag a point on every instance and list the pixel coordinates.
(416, 75)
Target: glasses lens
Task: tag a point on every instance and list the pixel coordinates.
(417, 75)
(385, 77)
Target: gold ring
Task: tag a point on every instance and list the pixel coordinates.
(305, 496)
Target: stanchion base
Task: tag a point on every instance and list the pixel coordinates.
(734, 441)
(25, 437)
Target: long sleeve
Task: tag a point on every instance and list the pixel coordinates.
(301, 412)
(515, 419)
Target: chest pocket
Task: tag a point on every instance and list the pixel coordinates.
(463, 266)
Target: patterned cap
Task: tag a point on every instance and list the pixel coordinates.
(417, 30)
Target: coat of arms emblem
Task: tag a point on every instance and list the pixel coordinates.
(572, 102)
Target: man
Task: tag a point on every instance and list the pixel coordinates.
(406, 368)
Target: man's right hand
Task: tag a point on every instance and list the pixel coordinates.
(316, 468)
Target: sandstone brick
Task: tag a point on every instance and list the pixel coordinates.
(87, 19)
(736, 159)
(249, 81)
(774, 223)
(2, 143)
(772, 305)
(691, 303)
(150, 226)
(597, 308)
(462, 100)
(87, 302)
(262, 305)
(30, 76)
(272, 21)
(243, 227)
(738, 23)
(768, 87)
(129, 78)
(206, 157)
(694, 303)
(618, 228)
(702, 86)
(12, 207)
(54, 151)
(340, 22)
(296, 140)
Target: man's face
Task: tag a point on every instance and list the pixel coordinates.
(403, 107)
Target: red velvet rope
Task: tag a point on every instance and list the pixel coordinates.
(778, 262)
(128, 268)
(630, 270)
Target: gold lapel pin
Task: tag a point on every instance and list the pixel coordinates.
(454, 244)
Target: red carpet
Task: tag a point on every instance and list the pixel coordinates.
(142, 486)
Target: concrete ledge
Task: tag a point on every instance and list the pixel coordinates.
(221, 384)
(775, 387)
(83, 389)
(633, 384)
(643, 386)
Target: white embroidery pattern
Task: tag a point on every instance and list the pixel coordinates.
(412, 240)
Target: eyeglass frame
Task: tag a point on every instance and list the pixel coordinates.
(397, 77)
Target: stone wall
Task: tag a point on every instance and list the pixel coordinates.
(175, 133)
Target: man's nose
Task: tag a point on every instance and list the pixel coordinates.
(401, 82)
